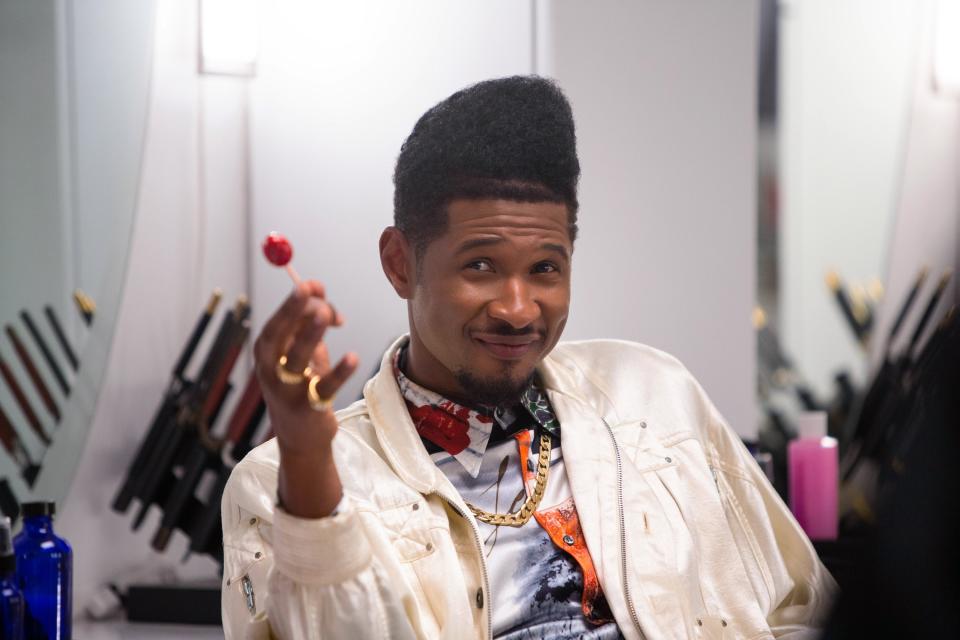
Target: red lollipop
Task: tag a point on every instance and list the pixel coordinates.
(279, 251)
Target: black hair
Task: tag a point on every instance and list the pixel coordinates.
(510, 138)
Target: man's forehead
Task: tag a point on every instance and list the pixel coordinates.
(472, 217)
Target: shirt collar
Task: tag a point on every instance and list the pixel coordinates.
(465, 432)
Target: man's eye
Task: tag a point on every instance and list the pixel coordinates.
(479, 265)
(545, 267)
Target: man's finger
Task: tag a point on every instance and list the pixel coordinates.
(283, 322)
(330, 384)
(317, 317)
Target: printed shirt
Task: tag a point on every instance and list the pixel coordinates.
(542, 580)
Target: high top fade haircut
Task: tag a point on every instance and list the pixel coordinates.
(510, 138)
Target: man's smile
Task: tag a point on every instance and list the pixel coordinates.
(507, 347)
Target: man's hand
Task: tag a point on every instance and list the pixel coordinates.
(309, 486)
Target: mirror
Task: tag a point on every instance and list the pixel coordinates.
(74, 88)
(836, 86)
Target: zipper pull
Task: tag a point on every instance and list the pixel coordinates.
(247, 585)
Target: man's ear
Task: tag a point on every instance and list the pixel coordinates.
(398, 261)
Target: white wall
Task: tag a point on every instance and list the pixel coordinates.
(846, 71)
(663, 95)
(339, 88)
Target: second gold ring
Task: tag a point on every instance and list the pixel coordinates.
(317, 403)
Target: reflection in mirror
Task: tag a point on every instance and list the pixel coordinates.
(856, 318)
(853, 319)
(74, 83)
(835, 89)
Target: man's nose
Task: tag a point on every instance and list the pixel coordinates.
(514, 304)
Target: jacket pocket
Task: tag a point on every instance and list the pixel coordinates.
(647, 452)
(412, 529)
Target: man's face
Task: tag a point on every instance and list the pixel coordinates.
(491, 298)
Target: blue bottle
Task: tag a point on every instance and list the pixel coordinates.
(11, 600)
(44, 573)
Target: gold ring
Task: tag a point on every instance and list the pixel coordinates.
(313, 396)
(291, 377)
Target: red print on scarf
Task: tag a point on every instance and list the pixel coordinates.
(445, 425)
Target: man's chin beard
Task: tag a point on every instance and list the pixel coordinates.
(493, 391)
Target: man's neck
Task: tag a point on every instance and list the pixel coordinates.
(415, 360)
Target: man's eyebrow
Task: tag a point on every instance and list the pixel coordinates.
(484, 242)
(557, 248)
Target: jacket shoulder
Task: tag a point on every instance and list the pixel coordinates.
(632, 379)
(610, 358)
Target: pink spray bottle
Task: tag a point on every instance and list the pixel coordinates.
(813, 461)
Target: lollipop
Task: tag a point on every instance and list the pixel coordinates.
(278, 251)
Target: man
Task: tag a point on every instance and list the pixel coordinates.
(493, 483)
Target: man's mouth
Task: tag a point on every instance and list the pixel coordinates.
(507, 347)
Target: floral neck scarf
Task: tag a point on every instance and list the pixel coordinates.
(465, 432)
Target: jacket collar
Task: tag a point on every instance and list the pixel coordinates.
(395, 429)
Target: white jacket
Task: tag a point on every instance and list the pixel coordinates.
(688, 537)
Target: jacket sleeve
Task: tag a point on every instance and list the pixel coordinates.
(287, 577)
(792, 586)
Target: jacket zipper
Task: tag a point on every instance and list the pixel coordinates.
(623, 532)
(483, 563)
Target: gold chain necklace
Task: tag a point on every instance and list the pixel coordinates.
(522, 516)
